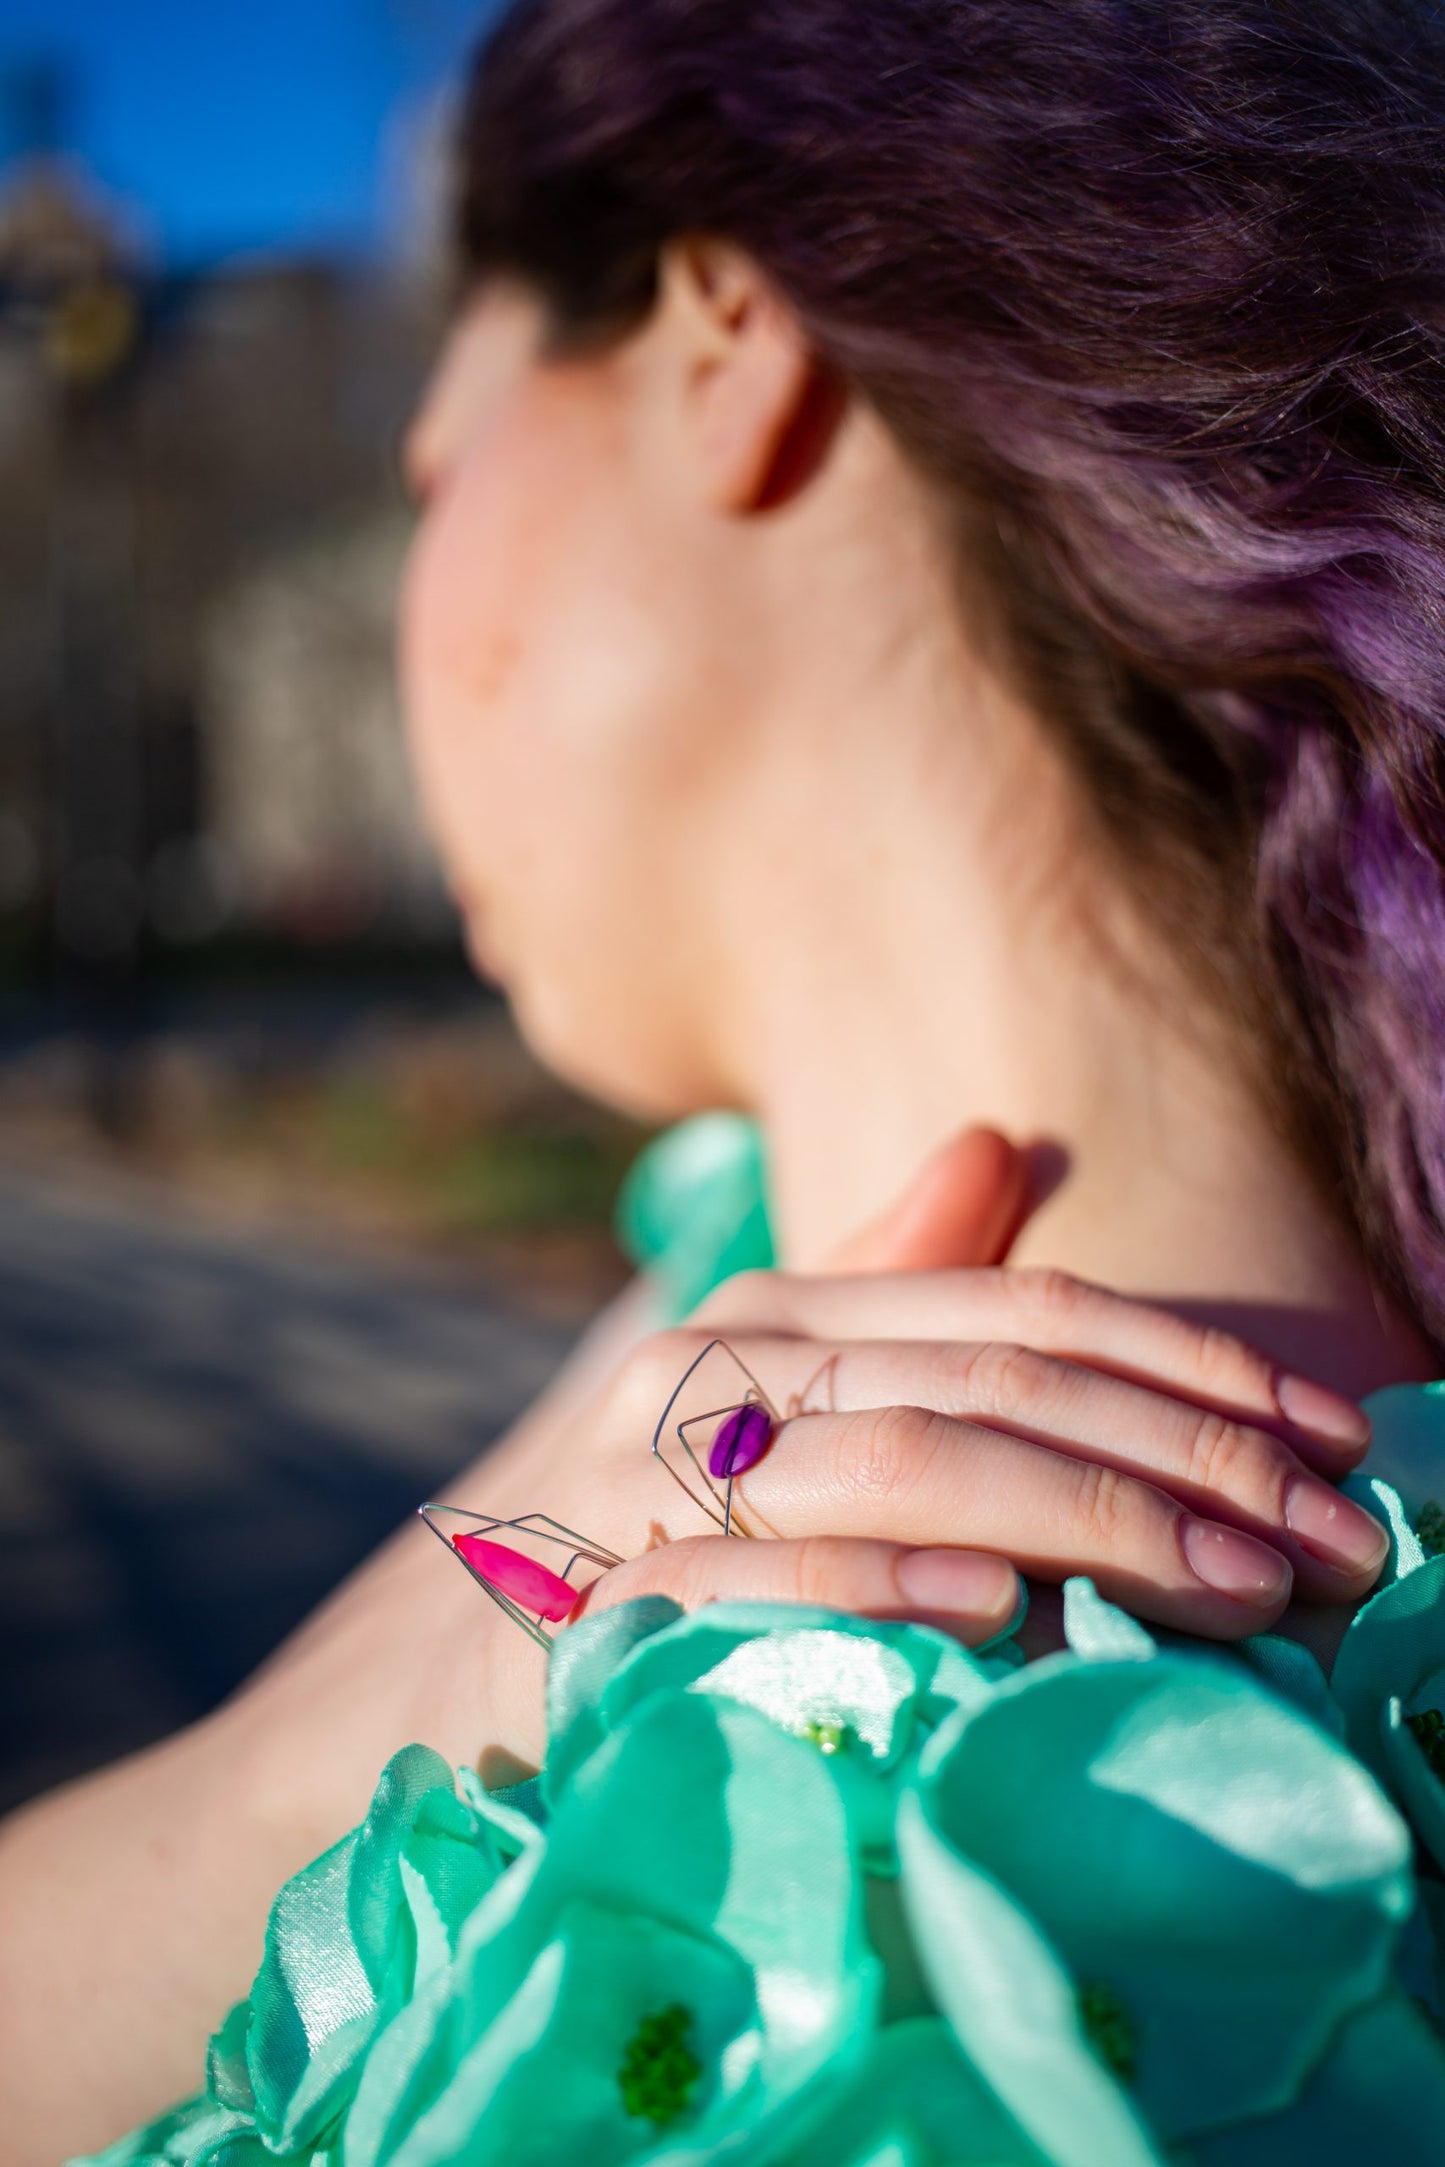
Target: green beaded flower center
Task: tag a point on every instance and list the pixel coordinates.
(1430, 1527)
(1429, 1730)
(827, 1737)
(658, 2071)
(1109, 2028)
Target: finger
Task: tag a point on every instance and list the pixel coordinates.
(1224, 1470)
(913, 1475)
(1060, 1315)
(1228, 1470)
(969, 1595)
(963, 1207)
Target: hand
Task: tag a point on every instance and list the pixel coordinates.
(946, 1425)
(1060, 1425)
(932, 1409)
(409, 1648)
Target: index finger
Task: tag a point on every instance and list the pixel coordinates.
(1140, 1341)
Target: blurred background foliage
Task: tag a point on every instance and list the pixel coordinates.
(226, 959)
(291, 1224)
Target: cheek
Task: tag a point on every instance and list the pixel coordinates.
(540, 658)
(463, 629)
(570, 707)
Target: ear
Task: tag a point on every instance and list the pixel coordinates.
(758, 405)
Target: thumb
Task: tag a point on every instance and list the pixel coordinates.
(963, 1206)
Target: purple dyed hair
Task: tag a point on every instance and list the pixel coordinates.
(1155, 289)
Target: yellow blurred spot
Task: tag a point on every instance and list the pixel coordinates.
(92, 328)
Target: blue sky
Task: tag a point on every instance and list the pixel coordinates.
(240, 124)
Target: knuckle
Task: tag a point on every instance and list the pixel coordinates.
(819, 1569)
(679, 1569)
(1103, 1505)
(756, 1292)
(649, 1370)
(1054, 1295)
(1000, 1376)
(1216, 1355)
(1216, 1447)
(1231, 1459)
(883, 1450)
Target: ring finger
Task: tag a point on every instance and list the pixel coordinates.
(912, 1475)
(1216, 1465)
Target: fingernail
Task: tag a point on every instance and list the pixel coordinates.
(965, 1582)
(1235, 1564)
(1332, 1527)
(1313, 1407)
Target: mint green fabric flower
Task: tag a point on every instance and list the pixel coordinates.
(1389, 1675)
(1149, 1912)
(1098, 1630)
(693, 1207)
(864, 1694)
(1421, 1966)
(1403, 1479)
(699, 1858)
(582, 1661)
(1378, 2095)
(583, 2051)
(348, 1939)
(1160, 1856)
(1407, 1456)
(1013, 2006)
(912, 2102)
(199, 2133)
(1292, 1672)
(1380, 1497)
(1389, 1678)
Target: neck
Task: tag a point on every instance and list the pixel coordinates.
(933, 1003)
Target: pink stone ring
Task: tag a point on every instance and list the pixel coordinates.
(532, 1567)
(718, 1423)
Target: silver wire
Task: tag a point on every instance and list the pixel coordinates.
(538, 1524)
(725, 1518)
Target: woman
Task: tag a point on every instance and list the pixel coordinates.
(927, 612)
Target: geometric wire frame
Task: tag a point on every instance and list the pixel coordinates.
(538, 1531)
(696, 1430)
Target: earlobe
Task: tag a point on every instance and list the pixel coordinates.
(802, 446)
(760, 406)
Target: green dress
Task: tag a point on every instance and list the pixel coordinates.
(693, 1208)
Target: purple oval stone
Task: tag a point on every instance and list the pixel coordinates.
(742, 1439)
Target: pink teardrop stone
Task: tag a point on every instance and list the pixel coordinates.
(529, 1584)
(741, 1440)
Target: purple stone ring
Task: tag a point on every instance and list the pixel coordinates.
(742, 1439)
(718, 1423)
